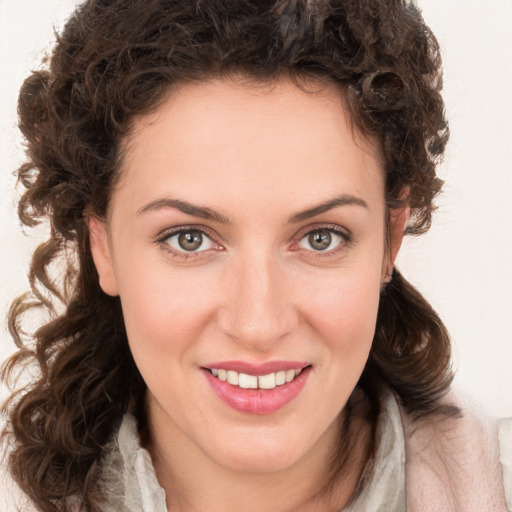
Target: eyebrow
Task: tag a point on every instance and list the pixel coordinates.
(343, 200)
(185, 207)
(209, 214)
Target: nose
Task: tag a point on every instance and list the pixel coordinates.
(259, 309)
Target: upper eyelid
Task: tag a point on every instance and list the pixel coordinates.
(167, 233)
(323, 227)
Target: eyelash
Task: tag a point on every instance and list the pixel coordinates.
(347, 240)
(163, 238)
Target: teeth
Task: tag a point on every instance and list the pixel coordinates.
(280, 378)
(246, 381)
(233, 378)
(267, 381)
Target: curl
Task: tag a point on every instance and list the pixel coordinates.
(116, 60)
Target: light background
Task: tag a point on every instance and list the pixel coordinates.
(463, 265)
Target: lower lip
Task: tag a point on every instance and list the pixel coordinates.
(257, 401)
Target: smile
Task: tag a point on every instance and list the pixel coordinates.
(273, 387)
(245, 381)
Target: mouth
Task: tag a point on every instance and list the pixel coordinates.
(261, 389)
(246, 381)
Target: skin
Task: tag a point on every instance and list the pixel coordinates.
(257, 156)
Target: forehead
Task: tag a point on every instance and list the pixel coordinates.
(225, 137)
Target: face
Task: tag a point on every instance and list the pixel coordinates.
(246, 240)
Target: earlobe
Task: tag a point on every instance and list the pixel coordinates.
(101, 254)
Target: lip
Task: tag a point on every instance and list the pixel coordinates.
(258, 369)
(257, 401)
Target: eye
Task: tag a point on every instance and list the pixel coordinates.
(321, 240)
(189, 240)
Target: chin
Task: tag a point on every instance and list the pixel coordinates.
(260, 462)
(263, 455)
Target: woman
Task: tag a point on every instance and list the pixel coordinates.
(228, 186)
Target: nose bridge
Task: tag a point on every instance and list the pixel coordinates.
(260, 311)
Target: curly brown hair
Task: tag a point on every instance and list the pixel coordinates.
(117, 59)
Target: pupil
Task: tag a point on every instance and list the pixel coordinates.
(320, 240)
(190, 240)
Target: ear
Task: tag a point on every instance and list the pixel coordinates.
(101, 254)
(398, 218)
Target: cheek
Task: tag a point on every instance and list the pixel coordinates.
(343, 311)
(343, 319)
(165, 311)
(351, 311)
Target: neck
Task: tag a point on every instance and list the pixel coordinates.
(325, 478)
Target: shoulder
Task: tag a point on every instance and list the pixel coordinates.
(453, 461)
(505, 443)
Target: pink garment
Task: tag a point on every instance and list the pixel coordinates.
(453, 464)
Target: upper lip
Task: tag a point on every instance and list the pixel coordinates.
(257, 369)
